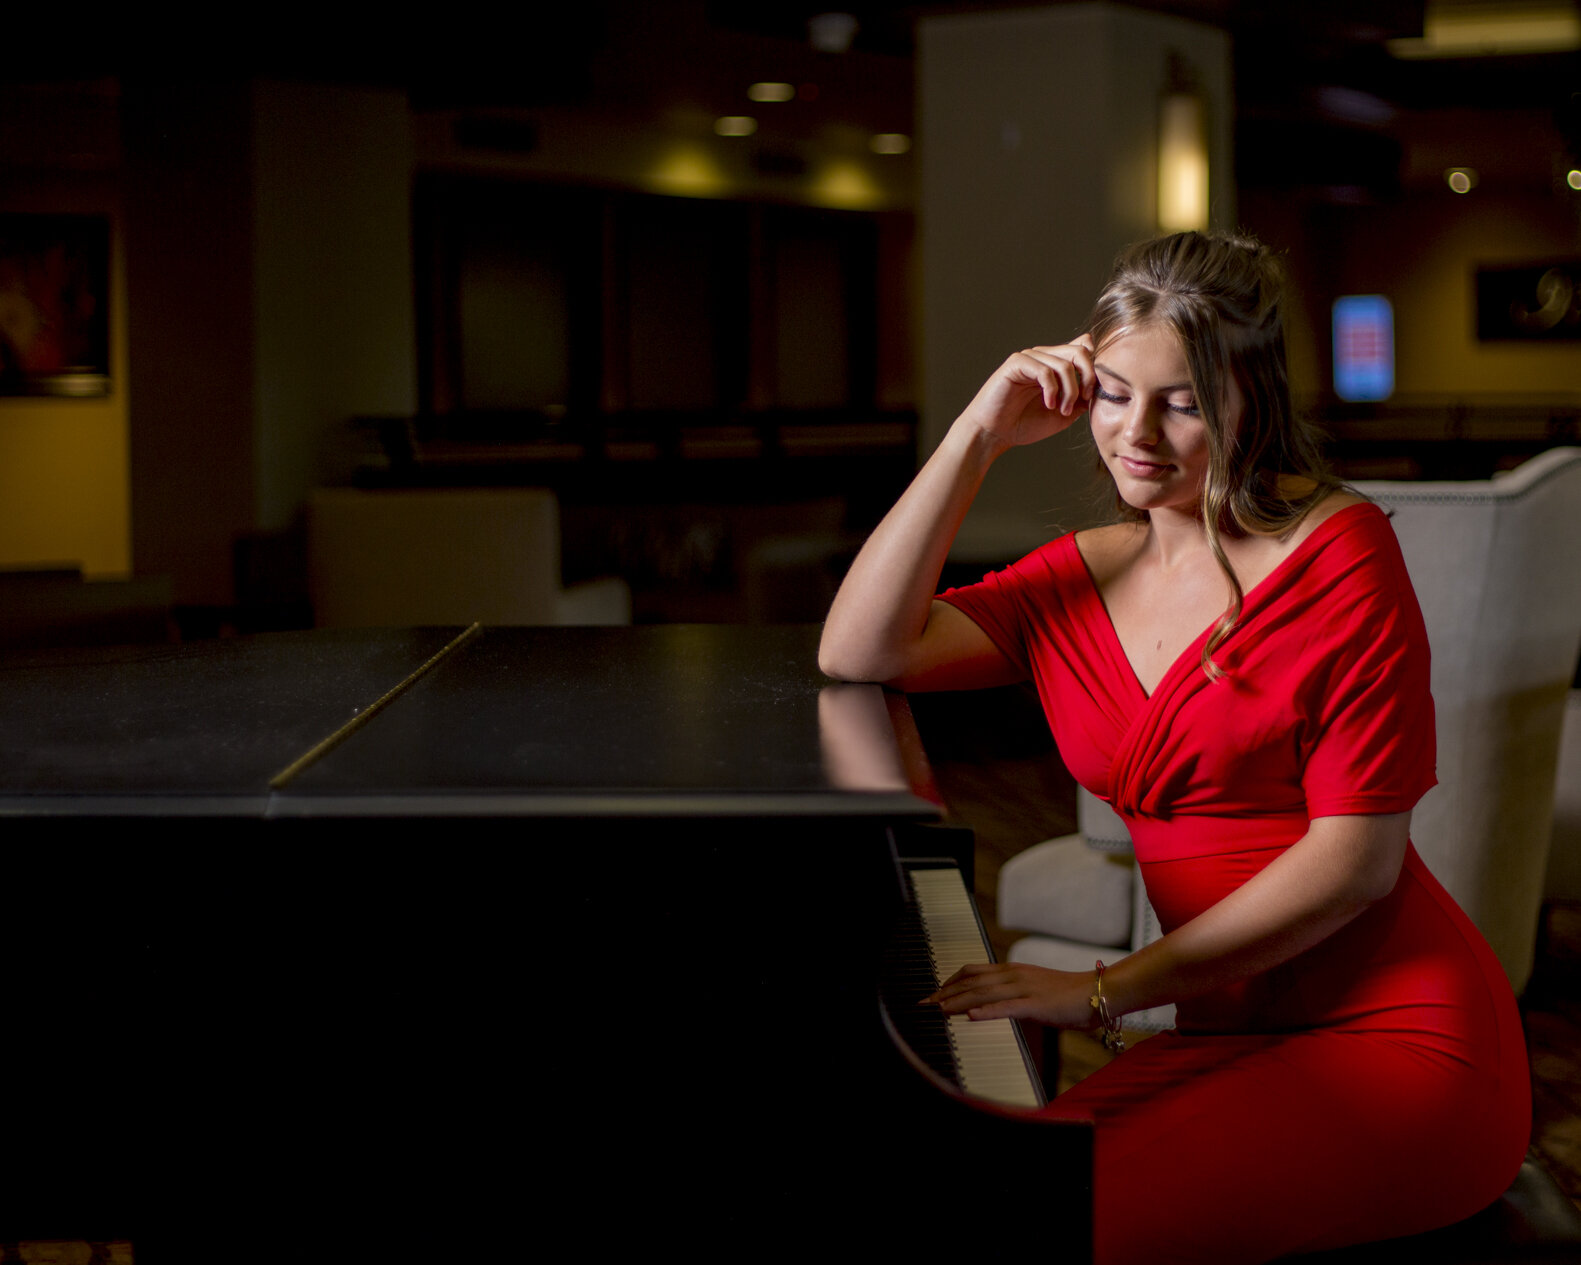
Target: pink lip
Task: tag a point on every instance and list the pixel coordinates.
(1143, 469)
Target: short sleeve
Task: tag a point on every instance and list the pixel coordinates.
(1370, 710)
(1006, 604)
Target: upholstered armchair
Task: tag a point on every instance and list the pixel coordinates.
(1497, 568)
(439, 556)
(1564, 860)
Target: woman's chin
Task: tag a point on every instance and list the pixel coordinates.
(1149, 499)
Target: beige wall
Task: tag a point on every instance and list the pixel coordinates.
(1422, 253)
(63, 462)
(271, 301)
(333, 305)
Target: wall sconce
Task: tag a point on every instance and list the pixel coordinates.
(1182, 153)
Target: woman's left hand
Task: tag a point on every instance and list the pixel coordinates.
(1013, 990)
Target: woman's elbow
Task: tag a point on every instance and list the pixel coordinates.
(1365, 856)
(836, 668)
(842, 663)
(1376, 883)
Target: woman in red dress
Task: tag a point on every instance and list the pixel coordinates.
(1239, 667)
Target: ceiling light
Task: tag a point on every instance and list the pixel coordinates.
(1573, 178)
(735, 125)
(1476, 28)
(1461, 179)
(890, 143)
(772, 91)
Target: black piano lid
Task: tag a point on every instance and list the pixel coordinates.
(595, 722)
(197, 728)
(510, 722)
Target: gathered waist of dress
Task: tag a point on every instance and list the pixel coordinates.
(1187, 835)
(1411, 965)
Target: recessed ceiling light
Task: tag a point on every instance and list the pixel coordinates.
(736, 125)
(890, 143)
(1461, 179)
(1573, 178)
(767, 91)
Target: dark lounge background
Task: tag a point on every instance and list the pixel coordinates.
(322, 251)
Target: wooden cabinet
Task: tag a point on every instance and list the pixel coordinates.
(559, 300)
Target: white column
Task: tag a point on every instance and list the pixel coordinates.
(1038, 132)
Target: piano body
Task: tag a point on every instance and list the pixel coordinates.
(429, 940)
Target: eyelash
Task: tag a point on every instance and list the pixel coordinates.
(1185, 410)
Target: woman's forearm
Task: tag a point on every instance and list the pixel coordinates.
(876, 626)
(1340, 867)
(1322, 882)
(883, 625)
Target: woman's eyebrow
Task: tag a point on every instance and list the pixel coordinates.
(1119, 377)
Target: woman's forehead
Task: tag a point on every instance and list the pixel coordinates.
(1146, 344)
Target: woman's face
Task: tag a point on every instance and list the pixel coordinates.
(1149, 432)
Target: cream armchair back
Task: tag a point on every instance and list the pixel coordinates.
(1497, 568)
(446, 556)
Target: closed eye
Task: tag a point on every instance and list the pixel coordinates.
(1185, 410)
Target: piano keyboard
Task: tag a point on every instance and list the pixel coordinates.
(985, 1058)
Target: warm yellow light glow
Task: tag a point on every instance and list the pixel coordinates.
(689, 169)
(1573, 179)
(1461, 179)
(772, 91)
(1182, 164)
(890, 143)
(1478, 28)
(735, 125)
(846, 183)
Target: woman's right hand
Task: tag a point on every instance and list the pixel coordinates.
(884, 624)
(1035, 393)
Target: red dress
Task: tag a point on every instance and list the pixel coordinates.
(1376, 1084)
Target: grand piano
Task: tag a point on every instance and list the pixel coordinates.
(446, 943)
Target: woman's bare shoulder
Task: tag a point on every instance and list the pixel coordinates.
(1330, 505)
(1110, 549)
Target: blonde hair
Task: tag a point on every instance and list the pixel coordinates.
(1221, 296)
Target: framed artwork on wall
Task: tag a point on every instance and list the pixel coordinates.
(54, 304)
(1537, 303)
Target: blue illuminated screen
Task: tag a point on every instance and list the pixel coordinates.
(1363, 347)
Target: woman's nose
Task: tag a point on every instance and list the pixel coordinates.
(1141, 425)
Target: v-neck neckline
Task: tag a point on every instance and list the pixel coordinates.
(1193, 651)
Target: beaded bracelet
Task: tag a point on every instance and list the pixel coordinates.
(1108, 1027)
